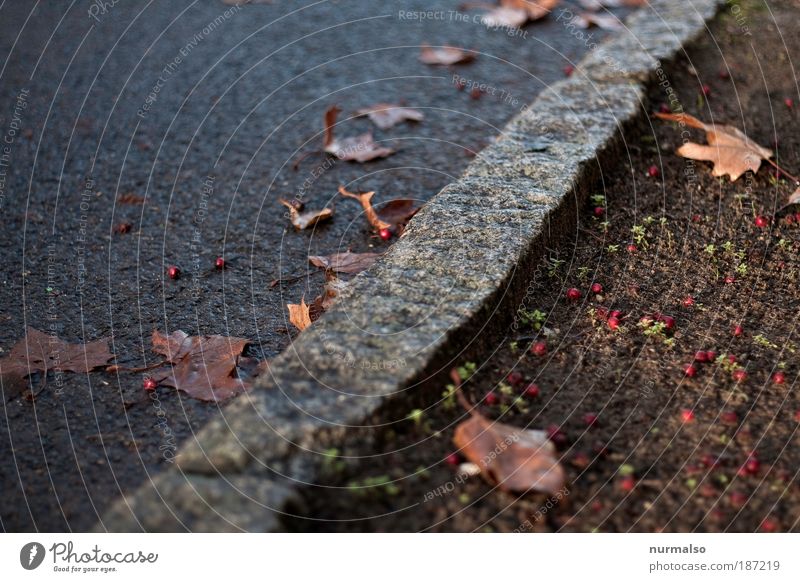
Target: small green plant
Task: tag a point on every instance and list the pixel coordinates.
(612, 249)
(741, 269)
(449, 397)
(331, 461)
(583, 273)
(535, 318)
(710, 249)
(598, 199)
(370, 485)
(761, 340)
(553, 266)
(639, 235)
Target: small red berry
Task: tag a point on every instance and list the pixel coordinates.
(174, 272)
(669, 322)
(568, 70)
(627, 483)
(737, 499)
(762, 221)
(687, 415)
(556, 435)
(797, 416)
(724, 74)
(616, 313)
(514, 378)
(710, 461)
(653, 171)
(491, 398)
(696, 218)
(778, 377)
(664, 108)
(385, 234)
(573, 294)
(730, 280)
(729, 417)
(475, 93)
(701, 357)
(632, 248)
(219, 263)
(711, 355)
(452, 459)
(613, 323)
(769, 525)
(539, 349)
(597, 288)
(731, 358)
(599, 211)
(688, 301)
(740, 375)
(789, 219)
(149, 384)
(690, 371)
(789, 102)
(752, 466)
(706, 90)
(738, 330)
(532, 391)
(590, 419)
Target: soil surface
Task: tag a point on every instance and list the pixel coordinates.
(200, 110)
(645, 447)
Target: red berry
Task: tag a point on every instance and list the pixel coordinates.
(711, 355)
(690, 370)
(724, 74)
(627, 483)
(729, 417)
(706, 90)
(599, 211)
(762, 221)
(788, 102)
(664, 108)
(556, 435)
(568, 70)
(740, 375)
(539, 349)
(616, 313)
(613, 323)
(687, 415)
(769, 525)
(597, 288)
(731, 358)
(491, 398)
(573, 294)
(669, 322)
(219, 263)
(688, 301)
(174, 272)
(797, 416)
(385, 234)
(752, 466)
(532, 391)
(653, 171)
(149, 384)
(697, 218)
(701, 357)
(632, 248)
(710, 461)
(730, 280)
(789, 219)
(778, 377)
(452, 460)
(738, 330)
(514, 378)
(590, 419)
(475, 93)
(737, 499)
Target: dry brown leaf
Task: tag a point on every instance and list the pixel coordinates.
(604, 21)
(361, 148)
(444, 55)
(386, 115)
(299, 315)
(730, 150)
(302, 219)
(535, 9)
(42, 352)
(346, 262)
(793, 199)
(204, 367)
(505, 17)
(333, 288)
(514, 459)
(130, 199)
(393, 215)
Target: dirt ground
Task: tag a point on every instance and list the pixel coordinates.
(647, 445)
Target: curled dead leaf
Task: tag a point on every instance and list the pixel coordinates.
(730, 150)
(513, 459)
(393, 215)
(361, 148)
(444, 55)
(347, 262)
(299, 315)
(386, 115)
(302, 219)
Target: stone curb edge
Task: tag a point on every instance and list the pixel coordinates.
(400, 326)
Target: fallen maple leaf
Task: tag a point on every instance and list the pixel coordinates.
(386, 115)
(730, 150)
(444, 55)
(299, 315)
(604, 21)
(204, 367)
(392, 215)
(302, 219)
(42, 352)
(346, 262)
(361, 148)
(514, 459)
